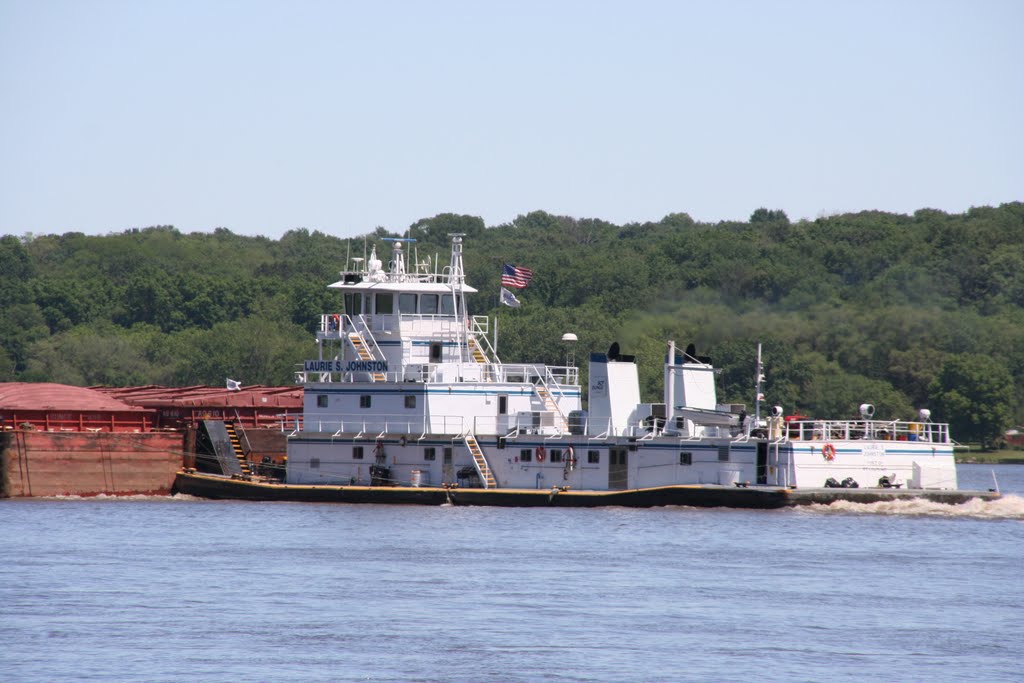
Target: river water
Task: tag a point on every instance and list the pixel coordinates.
(171, 589)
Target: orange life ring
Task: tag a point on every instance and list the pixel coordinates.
(828, 451)
(541, 453)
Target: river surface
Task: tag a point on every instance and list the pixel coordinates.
(174, 589)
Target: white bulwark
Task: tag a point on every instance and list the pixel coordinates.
(408, 390)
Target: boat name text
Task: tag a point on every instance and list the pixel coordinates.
(341, 366)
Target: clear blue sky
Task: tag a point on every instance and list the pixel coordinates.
(343, 116)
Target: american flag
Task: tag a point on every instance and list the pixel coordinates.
(513, 276)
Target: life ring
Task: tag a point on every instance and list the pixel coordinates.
(541, 453)
(828, 451)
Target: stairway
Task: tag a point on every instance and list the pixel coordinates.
(478, 353)
(551, 405)
(364, 353)
(486, 476)
(236, 447)
(225, 447)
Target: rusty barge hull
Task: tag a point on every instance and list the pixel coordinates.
(34, 464)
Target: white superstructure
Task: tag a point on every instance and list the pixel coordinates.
(407, 390)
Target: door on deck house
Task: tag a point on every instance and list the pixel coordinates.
(618, 468)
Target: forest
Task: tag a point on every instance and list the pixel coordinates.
(902, 311)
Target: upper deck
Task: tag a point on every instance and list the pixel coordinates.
(411, 325)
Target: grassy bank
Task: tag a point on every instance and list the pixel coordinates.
(1004, 457)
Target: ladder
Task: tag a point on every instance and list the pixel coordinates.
(478, 353)
(364, 353)
(236, 447)
(481, 462)
(552, 406)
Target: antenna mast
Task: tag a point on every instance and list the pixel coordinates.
(759, 396)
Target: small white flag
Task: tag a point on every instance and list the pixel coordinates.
(233, 385)
(509, 299)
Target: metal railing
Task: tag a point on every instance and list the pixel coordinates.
(874, 430)
(372, 426)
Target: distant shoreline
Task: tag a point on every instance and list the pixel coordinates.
(993, 458)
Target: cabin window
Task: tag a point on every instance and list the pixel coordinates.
(435, 352)
(365, 401)
(723, 453)
(526, 455)
(428, 304)
(447, 305)
(503, 405)
(321, 401)
(447, 455)
(353, 303)
(686, 458)
(430, 453)
(385, 303)
(594, 457)
(501, 443)
(314, 463)
(406, 303)
(410, 400)
(556, 454)
(357, 452)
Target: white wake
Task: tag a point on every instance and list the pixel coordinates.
(1007, 507)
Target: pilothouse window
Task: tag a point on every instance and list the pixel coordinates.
(406, 303)
(428, 304)
(353, 303)
(447, 305)
(385, 304)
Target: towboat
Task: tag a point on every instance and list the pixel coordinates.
(407, 401)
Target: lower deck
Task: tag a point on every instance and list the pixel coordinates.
(580, 463)
(702, 495)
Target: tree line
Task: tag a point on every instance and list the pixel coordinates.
(902, 311)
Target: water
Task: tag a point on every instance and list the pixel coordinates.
(159, 589)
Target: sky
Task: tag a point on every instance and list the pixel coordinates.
(338, 116)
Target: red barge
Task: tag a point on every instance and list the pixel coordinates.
(58, 440)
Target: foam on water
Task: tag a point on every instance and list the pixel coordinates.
(177, 497)
(1007, 507)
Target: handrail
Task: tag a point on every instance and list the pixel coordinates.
(550, 400)
(478, 327)
(341, 423)
(366, 334)
(872, 430)
(238, 420)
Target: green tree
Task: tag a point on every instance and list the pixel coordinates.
(973, 393)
